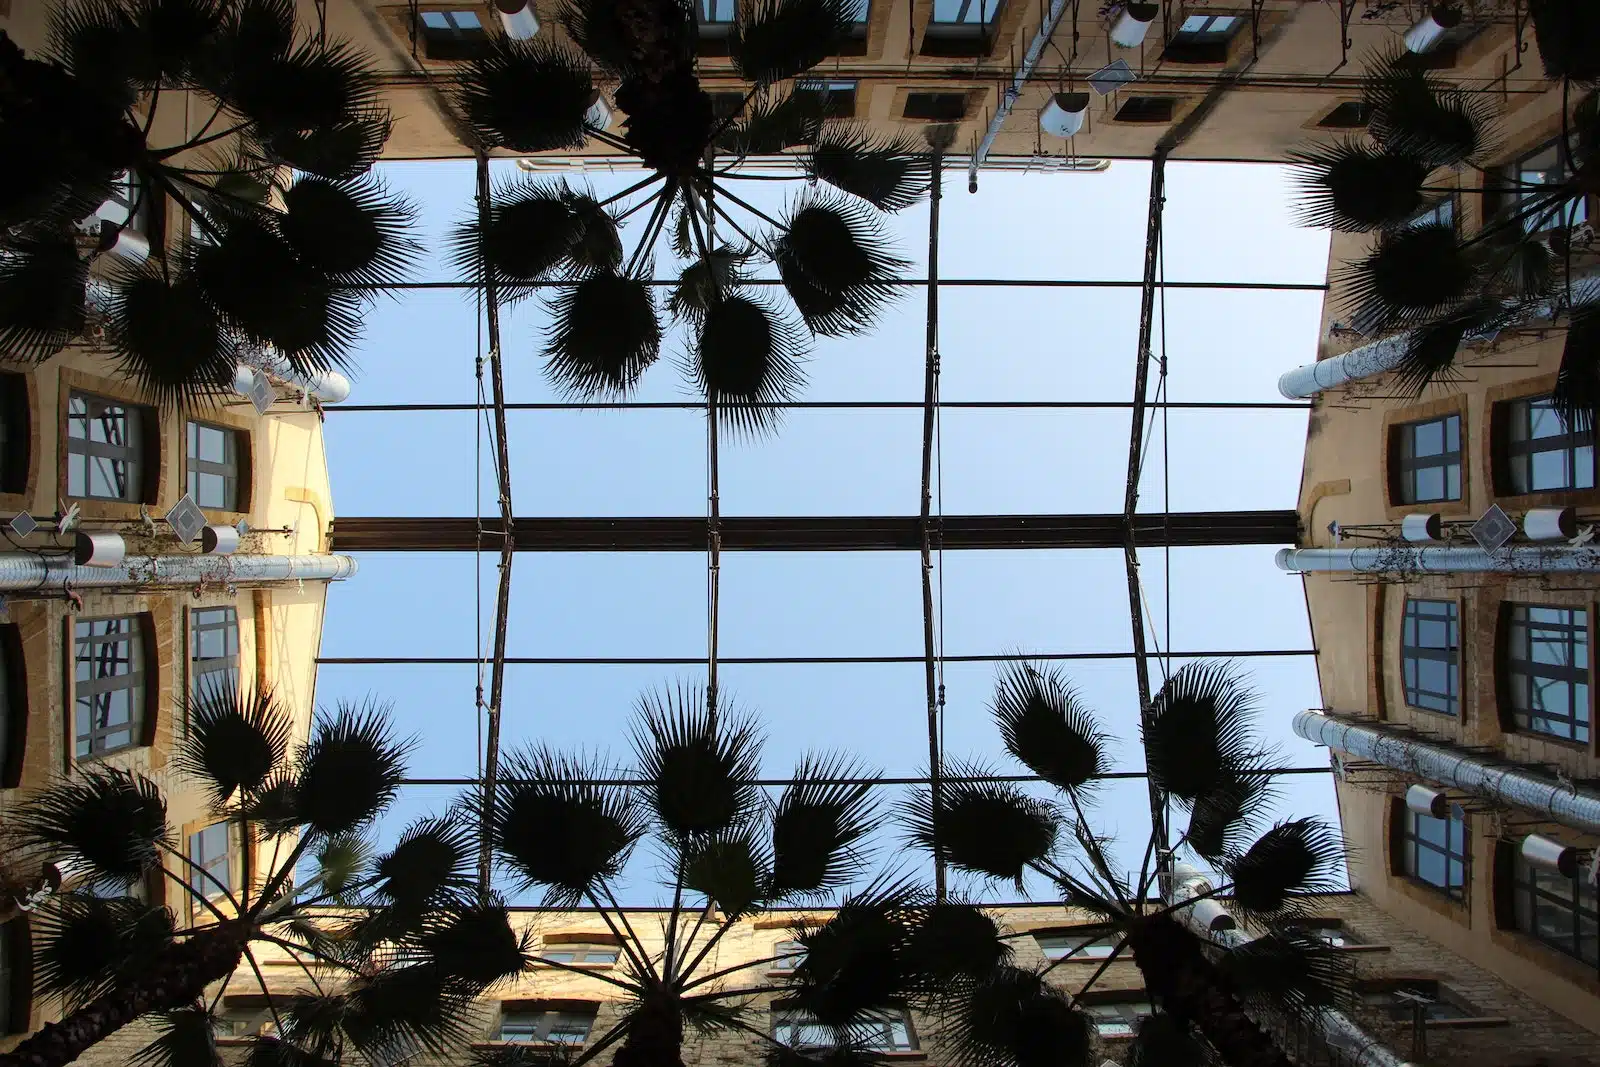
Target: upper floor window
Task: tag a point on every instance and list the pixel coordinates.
(1562, 912)
(108, 685)
(1427, 460)
(451, 34)
(961, 27)
(13, 707)
(1202, 39)
(244, 1016)
(580, 953)
(213, 466)
(1090, 943)
(15, 433)
(789, 954)
(1404, 999)
(1350, 115)
(134, 205)
(936, 107)
(1547, 670)
(214, 650)
(1146, 109)
(105, 448)
(1430, 655)
(1545, 166)
(1441, 212)
(1120, 1018)
(974, 14)
(567, 1025)
(838, 96)
(1542, 454)
(1331, 932)
(882, 1031)
(210, 851)
(1435, 851)
(715, 16)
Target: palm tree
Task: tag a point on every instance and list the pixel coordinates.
(1426, 280)
(1201, 754)
(269, 262)
(732, 852)
(392, 968)
(828, 245)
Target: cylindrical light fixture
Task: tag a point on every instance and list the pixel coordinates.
(1550, 524)
(219, 540)
(599, 113)
(98, 549)
(1063, 115)
(126, 243)
(1132, 24)
(518, 19)
(1213, 915)
(1425, 801)
(1425, 35)
(1548, 855)
(1422, 528)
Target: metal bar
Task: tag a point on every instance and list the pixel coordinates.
(930, 399)
(634, 783)
(962, 283)
(830, 533)
(844, 405)
(785, 661)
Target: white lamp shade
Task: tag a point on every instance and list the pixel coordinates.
(1424, 36)
(1550, 855)
(98, 549)
(219, 540)
(517, 19)
(1132, 24)
(1550, 524)
(599, 113)
(1425, 801)
(1064, 114)
(1422, 528)
(1213, 916)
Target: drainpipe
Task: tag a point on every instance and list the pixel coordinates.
(1008, 99)
(1385, 354)
(25, 572)
(1510, 784)
(1337, 1028)
(1442, 559)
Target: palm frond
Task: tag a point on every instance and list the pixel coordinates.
(275, 806)
(1568, 32)
(531, 230)
(890, 173)
(1045, 724)
(835, 262)
(1290, 860)
(597, 245)
(605, 335)
(1197, 738)
(1164, 1040)
(98, 42)
(432, 862)
(110, 821)
(732, 869)
(1355, 187)
(556, 829)
(1431, 349)
(167, 337)
(85, 945)
(1014, 1018)
(748, 360)
(1518, 265)
(841, 1054)
(233, 740)
(352, 232)
(611, 37)
(1222, 820)
(1414, 114)
(951, 945)
(773, 40)
(344, 150)
(403, 1009)
(475, 943)
(269, 1051)
(853, 962)
(1576, 396)
(253, 34)
(989, 828)
(699, 766)
(528, 96)
(1414, 276)
(340, 864)
(706, 280)
(186, 1037)
(306, 88)
(350, 771)
(1291, 970)
(770, 126)
(816, 827)
(177, 34)
(42, 284)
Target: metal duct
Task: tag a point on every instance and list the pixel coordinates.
(1382, 355)
(1337, 1027)
(22, 572)
(1514, 785)
(1442, 559)
(1008, 98)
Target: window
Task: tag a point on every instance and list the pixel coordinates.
(108, 684)
(1332, 932)
(1542, 454)
(885, 1031)
(961, 27)
(838, 96)
(974, 14)
(567, 1025)
(15, 435)
(1435, 850)
(105, 448)
(578, 953)
(1547, 669)
(936, 107)
(213, 457)
(1202, 39)
(452, 35)
(1350, 115)
(214, 650)
(1402, 998)
(134, 205)
(1427, 459)
(1118, 1018)
(1146, 109)
(210, 851)
(725, 104)
(1441, 212)
(792, 952)
(1562, 912)
(244, 1016)
(1208, 27)
(716, 17)
(1087, 944)
(13, 707)
(1545, 167)
(1430, 655)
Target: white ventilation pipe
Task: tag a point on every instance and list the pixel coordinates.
(22, 572)
(1425, 36)
(1512, 785)
(329, 386)
(1376, 357)
(1008, 98)
(1442, 559)
(1337, 1028)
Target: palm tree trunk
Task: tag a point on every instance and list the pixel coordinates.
(174, 978)
(1187, 984)
(655, 1036)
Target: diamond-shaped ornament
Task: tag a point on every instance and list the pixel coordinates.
(262, 394)
(1494, 529)
(186, 519)
(22, 524)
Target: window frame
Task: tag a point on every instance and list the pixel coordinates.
(963, 37)
(1545, 223)
(1080, 936)
(198, 671)
(16, 433)
(1412, 844)
(1526, 892)
(1405, 465)
(578, 949)
(234, 468)
(1121, 1012)
(1514, 442)
(144, 462)
(840, 96)
(797, 1020)
(544, 1019)
(931, 97)
(196, 839)
(1205, 44)
(790, 953)
(141, 717)
(1326, 122)
(1580, 713)
(1412, 621)
(1132, 108)
(453, 43)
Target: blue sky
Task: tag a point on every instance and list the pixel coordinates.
(1223, 223)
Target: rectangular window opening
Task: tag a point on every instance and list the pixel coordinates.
(105, 448)
(1146, 109)
(1437, 851)
(1542, 453)
(936, 107)
(1547, 668)
(1427, 460)
(108, 685)
(213, 466)
(1430, 655)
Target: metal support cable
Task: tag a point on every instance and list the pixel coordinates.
(929, 412)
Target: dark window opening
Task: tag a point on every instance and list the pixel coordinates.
(13, 708)
(961, 27)
(452, 35)
(727, 104)
(1146, 109)
(936, 107)
(567, 1025)
(16, 433)
(1427, 460)
(838, 96)
(1202, 39)
(1437, 852)
(1350, 115)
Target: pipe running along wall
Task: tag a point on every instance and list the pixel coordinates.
(24, 572)
(1510, 784)
(1442, 559)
